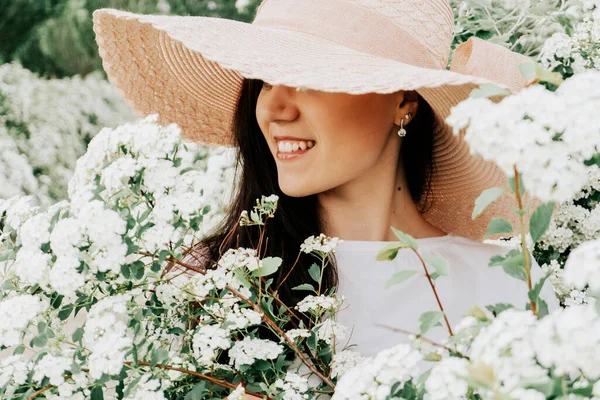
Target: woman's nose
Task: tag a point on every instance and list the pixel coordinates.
(278, 102)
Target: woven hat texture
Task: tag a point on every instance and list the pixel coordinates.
(190, 71)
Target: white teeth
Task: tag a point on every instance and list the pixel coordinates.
(291, 147)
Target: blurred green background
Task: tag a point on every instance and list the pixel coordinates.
(54, 38)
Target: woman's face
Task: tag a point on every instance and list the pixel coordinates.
(323, 140)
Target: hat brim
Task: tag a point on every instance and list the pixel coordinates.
(189, 70)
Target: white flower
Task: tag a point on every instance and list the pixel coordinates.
(447, 380)
(583, 266)
(63, 276)
(559, 46)
(344, 361)
(321, 243)
(106, 335)
(52, 367)
(18, 209)
(568, 341)
(13, 370)
(66, 237)
(207, 341)
(329, 330)
(148, 388)
(320, 304)
(248, 350)
(522, 131)
(239, 258)
(505, 348)
(36, 231)
(32, 266)
(238, 393)
(16, 313)
(374, 378)
(296, 333)
(293, 386)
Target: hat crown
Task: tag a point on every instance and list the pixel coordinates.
(429, 22)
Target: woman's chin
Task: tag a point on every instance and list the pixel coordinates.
(295, 190)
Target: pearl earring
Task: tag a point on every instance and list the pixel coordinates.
(402, 131)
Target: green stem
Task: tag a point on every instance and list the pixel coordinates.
(526, 254)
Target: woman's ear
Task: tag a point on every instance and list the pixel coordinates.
(408, 105)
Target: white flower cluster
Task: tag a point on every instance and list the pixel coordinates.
(45, 126)
(248, 350)
(207, 341)
(505, 349)
(147, 388)
(106, 335)
(580, 50)
(321, 243)
(181, 187)
(523, 131)
(344, 361)
(293, 386)
(447, 380)
(582, 268)
(516, 355)
(13, 372)
(319, 304)
(568, 341)
(16, 314)
(374, 378)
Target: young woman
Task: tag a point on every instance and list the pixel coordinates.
(338, 107)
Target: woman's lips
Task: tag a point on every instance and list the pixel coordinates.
(293, 155)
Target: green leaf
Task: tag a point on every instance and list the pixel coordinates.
(440, 265)
(534, 295)
(97, 393)
(496, 309)
(158, 357)
(196, 392)
(540, 220)
(77, 335)
(65, 312)
(315, 272)
(406, 239)
(498, 225)
(20, 349)
(528, 70)
(304, 286)
(125, 271)
(268, 266)
(488, 90)
(428, 320)
(486, 198)
(388, 252)
(239, 274)
(399, 277)
(513, 264)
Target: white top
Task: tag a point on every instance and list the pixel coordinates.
(470, 282)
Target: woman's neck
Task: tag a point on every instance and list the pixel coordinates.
(367, 208)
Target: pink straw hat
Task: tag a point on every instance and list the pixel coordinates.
(190, 70)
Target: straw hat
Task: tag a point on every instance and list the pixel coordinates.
(189, 70)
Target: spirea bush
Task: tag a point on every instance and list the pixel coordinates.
(46, 125)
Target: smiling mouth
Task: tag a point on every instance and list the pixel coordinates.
(290, 149)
